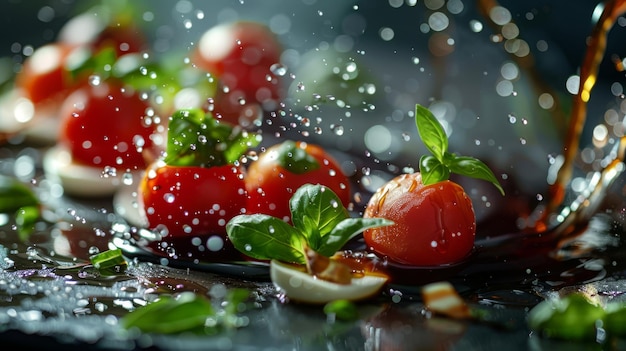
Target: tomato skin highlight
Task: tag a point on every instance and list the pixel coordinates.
(433, 224)
(240, 55)
(94, 32)
(190, 200)
(104, 125)
(43, 75)
(270, 185)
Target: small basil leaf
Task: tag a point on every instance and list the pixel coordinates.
(25, 219)
(471, 167)
(573, 318)
(84, 62)
(316, 208)
(195, 138)
(431, 132)
(346, 230)
(15, 194)
(344, 310)
(265, 237)
(432, 170)
(108, 259)
(187, 312)
(295, 159)
(234, 299)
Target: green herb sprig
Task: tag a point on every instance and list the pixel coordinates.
(189, 313)
(320, 222)
(19, 199)
(196, 138)
(440, 164)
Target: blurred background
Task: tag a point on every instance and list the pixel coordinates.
(499, 76)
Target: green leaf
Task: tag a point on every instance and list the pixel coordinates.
(472, 167)
(615, 320)
(108, 259)
(295, 159)
(195, 138)
(15, 194)
(320, 223)
(438, 166)
(573, 317)
(83, 63)
(265, 237)
(187, 312)
(431, 132)
(343, 310)
(346, 230)
(234, 298)
(316, 211)
(25, 219)
(432, 170)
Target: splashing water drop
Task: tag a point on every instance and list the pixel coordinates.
(338, 130)
(95, 80)
(109, 171)
(127, 178)
(278, 69)
(169, 198)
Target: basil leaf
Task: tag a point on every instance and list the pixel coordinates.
(316, 211)
(346, 230)
(195, 138)
(472, 167)
(265, 237)
(234, 298)
(431, 132)
(295, 159)
(83, 63)
(344, 310)
(572, 317)
(15, 194)
(187, 312)
(433, 170)
(108, 259)
(25, 219)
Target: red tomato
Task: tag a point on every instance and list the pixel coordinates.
(433, 224)
(105, 125)
(93, 31)
(270, 182)
(190, 200)
(240, 55)
(43, 75)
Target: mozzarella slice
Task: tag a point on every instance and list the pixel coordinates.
(300, 286)
(81, 180)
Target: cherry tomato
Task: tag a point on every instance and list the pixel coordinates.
(190, 200)
(105, 125)
(94, 32)
(433, 224)
(279, 171)
(240, 55)
(43, 75)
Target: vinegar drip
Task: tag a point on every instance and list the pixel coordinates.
(588, 77)
(556, 248)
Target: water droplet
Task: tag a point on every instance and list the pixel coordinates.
(278, 69)
(169, 198)
(215, 243)
(338, 130)
(95, 80)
